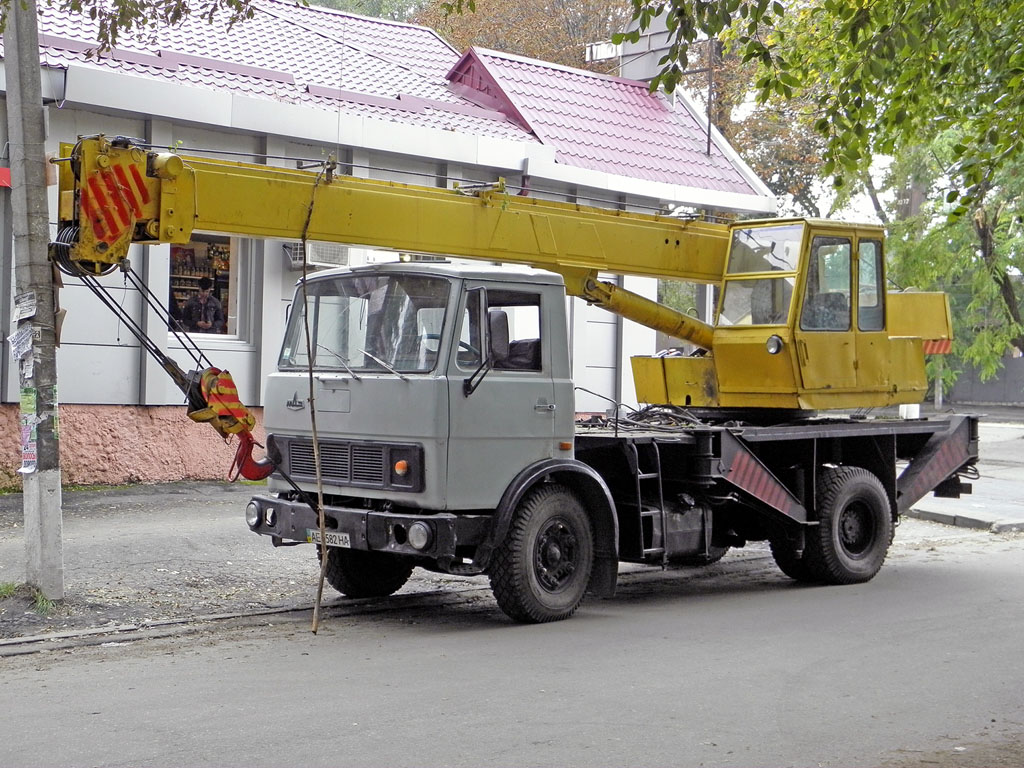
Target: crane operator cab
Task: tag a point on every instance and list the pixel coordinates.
(802, 323)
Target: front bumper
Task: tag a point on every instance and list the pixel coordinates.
(451, 535)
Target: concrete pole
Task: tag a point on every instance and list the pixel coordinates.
(33, 338)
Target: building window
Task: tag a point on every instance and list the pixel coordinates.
(209, 262)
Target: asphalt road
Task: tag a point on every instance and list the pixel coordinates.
(732, 665)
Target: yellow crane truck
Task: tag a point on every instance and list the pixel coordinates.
(445, 425)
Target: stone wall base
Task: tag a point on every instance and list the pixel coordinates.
(117, 444)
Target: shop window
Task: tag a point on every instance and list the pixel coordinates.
(209, 262)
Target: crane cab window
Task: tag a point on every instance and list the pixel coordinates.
(761, 275)
(827, 297)
(870, 286)
(516, 311)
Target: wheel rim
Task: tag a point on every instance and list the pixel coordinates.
(856, 529)
(556, 555)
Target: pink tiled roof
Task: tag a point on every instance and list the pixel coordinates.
(294, 54)
(599, 122)
(403, 73)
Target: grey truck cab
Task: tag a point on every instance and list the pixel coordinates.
(444, 414)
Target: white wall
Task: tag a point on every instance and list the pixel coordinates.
(101, 362)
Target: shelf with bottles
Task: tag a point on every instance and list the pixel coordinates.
(201, 258)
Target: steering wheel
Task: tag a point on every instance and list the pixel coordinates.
(462, 344)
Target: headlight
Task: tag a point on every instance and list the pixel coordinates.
(252, 514)
(419, 535)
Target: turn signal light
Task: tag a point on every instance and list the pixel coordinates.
(401, 467)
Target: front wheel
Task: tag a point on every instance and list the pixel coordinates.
(540, 571)
(855, 527)
(356, 573)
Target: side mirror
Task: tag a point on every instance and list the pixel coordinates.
(497, 334)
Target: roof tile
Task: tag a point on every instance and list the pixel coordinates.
(610, 124)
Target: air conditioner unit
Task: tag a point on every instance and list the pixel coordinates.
(318, 254)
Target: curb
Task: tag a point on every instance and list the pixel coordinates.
(966, 521)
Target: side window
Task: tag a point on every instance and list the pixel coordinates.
(470, 342)
(870, 286)
(827, 296)
(522, 311)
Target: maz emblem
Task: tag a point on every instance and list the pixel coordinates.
(295, 404)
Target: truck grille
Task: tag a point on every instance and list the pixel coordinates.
(341, 463)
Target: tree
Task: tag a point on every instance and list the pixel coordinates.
(775, 138)
(883, 76)
(551, 30)
(118, 17)
(976, 258)
(396, 10)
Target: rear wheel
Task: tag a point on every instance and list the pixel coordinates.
(855, 526)
(356, 573)
(540, 571)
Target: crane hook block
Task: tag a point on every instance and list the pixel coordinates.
(225, 413)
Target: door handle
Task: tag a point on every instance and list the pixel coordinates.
(544, 407)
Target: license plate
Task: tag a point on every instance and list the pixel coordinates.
(333, 538)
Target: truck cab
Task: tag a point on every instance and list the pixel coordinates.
(419, 366)
(442, 399)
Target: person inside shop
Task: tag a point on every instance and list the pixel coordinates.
(202, 313)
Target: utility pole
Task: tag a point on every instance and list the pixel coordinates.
(33, 334)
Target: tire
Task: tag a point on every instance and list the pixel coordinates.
(713, 555)
(356, 573)
(541, 570)
(791, 564)
(855, 527)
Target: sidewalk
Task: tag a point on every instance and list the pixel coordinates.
(997, 503)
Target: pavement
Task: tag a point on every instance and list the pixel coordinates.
(151, 559)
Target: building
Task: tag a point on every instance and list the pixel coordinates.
(391, 101)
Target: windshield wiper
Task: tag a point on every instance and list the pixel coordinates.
(386, 365)
(341, 359)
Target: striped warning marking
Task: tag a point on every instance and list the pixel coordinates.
(112, 200)
(748, 474)
(947, 460)
(221, 395)
(938, 346)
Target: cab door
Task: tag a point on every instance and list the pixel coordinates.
(873, 348)
(826, 348)
(508, 420)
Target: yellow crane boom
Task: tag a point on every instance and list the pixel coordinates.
(119, 195)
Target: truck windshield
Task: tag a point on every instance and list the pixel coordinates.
(368, 323)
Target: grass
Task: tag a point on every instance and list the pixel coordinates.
(41, 604)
